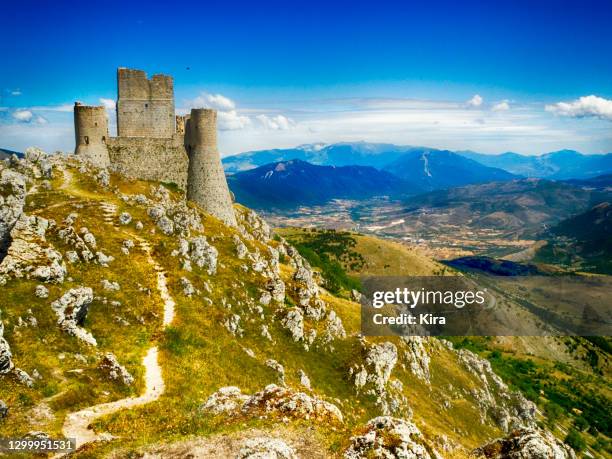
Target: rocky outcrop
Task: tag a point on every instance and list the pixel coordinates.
(115, 371)
(389, 438)
(372, 376)
(417, 357)
(266, 448)
(526, 444)
(198, 251)
(509, 409)
(272, 400)
(12, 201)
(4, 410)
(71, 310)
(30, 255)
(6, 364)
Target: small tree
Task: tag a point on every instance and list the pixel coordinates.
(575, 440)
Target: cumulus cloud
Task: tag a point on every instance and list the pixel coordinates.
(109, 104)
(501, 106)
(586, 106)
(23, 116)
(232, 121)
(475, 101)
(278, 122)
(216, 101)
(16, 92)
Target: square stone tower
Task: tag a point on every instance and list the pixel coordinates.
(145, 107)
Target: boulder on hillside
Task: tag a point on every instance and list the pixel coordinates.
(71, 310)
(526, 444)
(388, 437)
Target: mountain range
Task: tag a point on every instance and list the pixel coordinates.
(296, 182)
(564, 164)
(558, 165)
(439, 169)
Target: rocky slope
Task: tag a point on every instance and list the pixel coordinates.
(142, 326)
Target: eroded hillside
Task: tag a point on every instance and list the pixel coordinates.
(138, 324)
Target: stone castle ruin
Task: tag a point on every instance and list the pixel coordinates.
(153, 143)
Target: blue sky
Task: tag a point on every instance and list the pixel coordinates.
(488, 76)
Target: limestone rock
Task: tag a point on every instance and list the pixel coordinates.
(273, 399)
(71, 310)
(125, 218)
(388, 438)
(30, 255)
(23, 377)
(526, 444)
(304, 379)
(188, 289)
(198, 251)
(509, 409)
(294, 322)
(271, 363)
(266, 448)
(225, 400)
(115, 370)
(41, 291)
(103, 178)
(110, 286)
(417, 357)
(241, 249)
(12, 200)
(6, 364)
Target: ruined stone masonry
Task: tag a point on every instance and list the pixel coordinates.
(153, 143)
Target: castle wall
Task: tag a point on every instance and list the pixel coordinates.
(206, 183)
(163, 160)
(91, 134)
(145, 107)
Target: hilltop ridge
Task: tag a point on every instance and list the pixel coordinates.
(253, 341)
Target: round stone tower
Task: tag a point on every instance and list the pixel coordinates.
(206, 183)
(91, 132)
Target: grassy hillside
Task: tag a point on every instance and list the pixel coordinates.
(216, 337)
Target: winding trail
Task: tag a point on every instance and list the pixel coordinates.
(76, 425)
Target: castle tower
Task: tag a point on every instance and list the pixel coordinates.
(206, 183)
(145, 107)
(91, 134)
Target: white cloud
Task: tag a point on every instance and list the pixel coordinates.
(232, 121)
(16, 92)
(475, 101)
(216, 101)
(38, 119)
(586, 106)
(278, 122)
(109, 104)
(501, 106)
(23, 116)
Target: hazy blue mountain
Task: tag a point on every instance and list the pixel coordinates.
(294, 183)
(338, 154)
(601, 182)
(563, 164)
(438, 169)
(4, 153)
